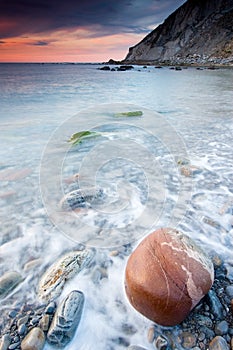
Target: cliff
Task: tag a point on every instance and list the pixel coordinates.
(197, 32)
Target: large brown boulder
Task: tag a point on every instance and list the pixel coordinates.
(166, 276)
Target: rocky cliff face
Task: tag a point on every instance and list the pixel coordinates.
(198, 31)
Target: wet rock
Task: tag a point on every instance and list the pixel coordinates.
(221, 328)
(8, 282)
(22, 320)
(189, 340)
(161, 343)
(52, 282)
(81, 198)
(215, 305)
(32, 264)
(34, 340)
(229, 291)
(50, 309)
(12, 313)
(5, 342)
(44, 323)
(135, 347)
(128, 329)
(22, 329)
(218, 343)
(66, 319)
(166, 276)
(151, 334)
(14, 346)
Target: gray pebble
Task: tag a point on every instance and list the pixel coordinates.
(229, 291)
(12, 313)
(22, 329)
(5, 342)
(34, 320)
(66, 319)
(221, 328)
(22, 320)
(50, 309)
(135, 347)
(216, 307)
(14, 346)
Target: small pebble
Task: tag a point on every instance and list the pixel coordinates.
(22, 320)
(14, 346)
(221, 328)
(44, 323)
(5, 342)
(189, 340)
(161, 343)
(229, 291)
(135, 347)
(151, 334)
(218, 343)
(12, 313)
(22, 329)
(34, 340)
(34, 320)
(50, 309)
(215, 305)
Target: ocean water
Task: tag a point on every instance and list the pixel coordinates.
(141, 163)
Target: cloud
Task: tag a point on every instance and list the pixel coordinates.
(23, 17)
(40, 43)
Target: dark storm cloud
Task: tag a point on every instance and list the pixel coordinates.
(18, 17)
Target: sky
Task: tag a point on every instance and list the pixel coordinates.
(76, 30)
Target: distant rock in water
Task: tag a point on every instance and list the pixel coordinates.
(166, 276)
(197, 32)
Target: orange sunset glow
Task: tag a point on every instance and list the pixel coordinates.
(34, 31)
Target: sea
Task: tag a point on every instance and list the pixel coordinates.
(157, 153)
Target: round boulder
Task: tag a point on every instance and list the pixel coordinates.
(166, 276)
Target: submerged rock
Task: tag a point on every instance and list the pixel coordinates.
(5, 342)
(81, 198)
(8, 282)
(52, 282)
(66, 319)
(34, 340)
(166, 276)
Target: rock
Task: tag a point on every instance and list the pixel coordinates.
(14, 346)
(5, 342)
(135, 347)
(66, 319)
(151, 334)
(22, 320)
(44, 323)
(166, 276)
(52, 282)
(161, 343)
(216, 307)
(81, 198)
(218, 343)
(229, 291)
(34, 340)
(22, 329)
(8, 282)
(221, 328)
(189, 340)
(105, 68)
(50, 309)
